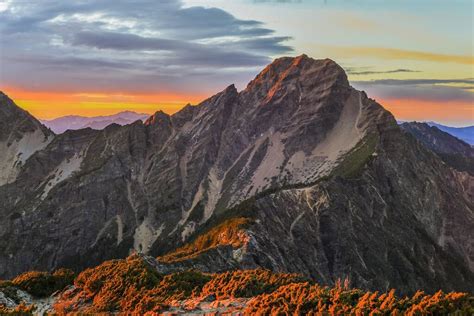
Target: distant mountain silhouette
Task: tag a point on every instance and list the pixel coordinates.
(455, 152)
(74, 122)
(464, 133)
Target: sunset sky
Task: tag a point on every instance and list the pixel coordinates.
(101, 57)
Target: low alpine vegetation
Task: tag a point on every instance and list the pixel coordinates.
(134, 286)
(43, 284)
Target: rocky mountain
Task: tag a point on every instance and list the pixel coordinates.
(452, 150)
(21, 135)
(74, 122)
(466, 134)
(298, 172)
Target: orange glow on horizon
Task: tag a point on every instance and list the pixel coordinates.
(49, 105)
(458, 113)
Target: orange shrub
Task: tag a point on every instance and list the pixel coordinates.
(106, 284)
(20, 310)
(230, 232)
(247, 283)
(176, 286)
(132, 286)
(129, 285)
(42, 284)
(311, 299)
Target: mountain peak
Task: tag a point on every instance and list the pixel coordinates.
(288, 72)
(12, 115)
(157, 118)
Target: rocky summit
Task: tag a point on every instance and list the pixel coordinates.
(298, 172)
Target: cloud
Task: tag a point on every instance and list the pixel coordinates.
(410, 82)
(278, 1)
(433, 90)
(353, 71)
(394, 54)
(82, 45)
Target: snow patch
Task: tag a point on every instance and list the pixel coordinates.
(14, 156)
(344, 136)
(197, 198)
(188, 230)
(63, 171)
(130, 198)
(119, 221)
(238, 254)
(271, 163)
(145, 236)
(213, 193)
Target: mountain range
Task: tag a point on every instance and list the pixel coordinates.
(464, 133)
(298, 172)
(73, 122)
(451, 150)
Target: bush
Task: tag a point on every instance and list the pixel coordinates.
(176, 286)
(109, 282)
(20, 310)
(132, 286)
(247, 283)
(312, 299)
(42, 284)
(230, 232)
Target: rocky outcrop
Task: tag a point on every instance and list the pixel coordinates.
(332, 186)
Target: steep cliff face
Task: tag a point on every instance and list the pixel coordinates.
(333, 188)
(21, 135)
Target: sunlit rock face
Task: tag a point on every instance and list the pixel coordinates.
(332, 186)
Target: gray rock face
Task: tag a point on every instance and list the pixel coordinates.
(21, 135)
(453, 151)
(397, 224)
(335, 188)
(437, 140)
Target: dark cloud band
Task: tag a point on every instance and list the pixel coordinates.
(434, 90)
(369, 72)
(151, 42)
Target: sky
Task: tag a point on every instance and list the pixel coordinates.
(86, 57)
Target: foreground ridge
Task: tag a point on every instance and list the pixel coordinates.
(133, 286)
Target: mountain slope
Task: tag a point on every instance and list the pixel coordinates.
(73, 122)
(464, 133)
(21, 135)
(453, 151)
(331, 186)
